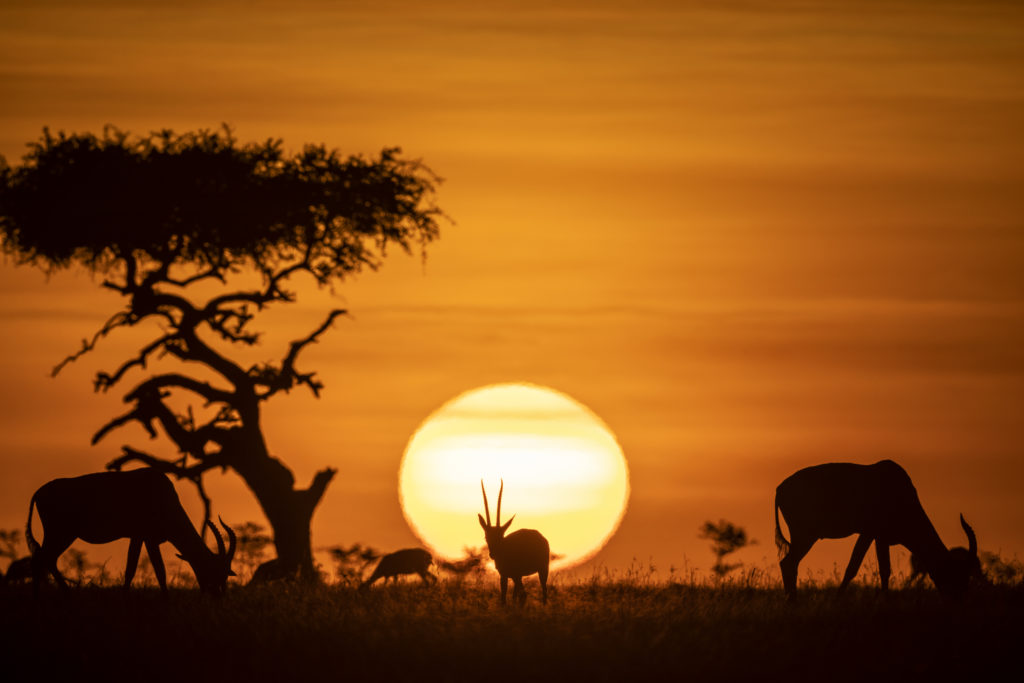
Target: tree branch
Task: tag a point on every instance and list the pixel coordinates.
(120, 319)
(315, 492)
(141, 416)
(285, 377)
(150, 407)
(177, 468)
(204, 389)
(105, 381)
(216, 272)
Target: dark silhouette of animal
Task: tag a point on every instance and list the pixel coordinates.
(967, 556)
(407, 561)
(271, 571)
(878, 502)
(19, 570)
(521, 553)
(140, 505)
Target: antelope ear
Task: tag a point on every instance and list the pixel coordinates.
(482, 522)
(506, 525)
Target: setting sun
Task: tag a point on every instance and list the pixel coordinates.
(564, 472)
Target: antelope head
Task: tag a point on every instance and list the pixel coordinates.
(213, 569)
(496, 533)
(962, 565)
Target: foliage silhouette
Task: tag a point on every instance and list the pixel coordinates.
(252, 546)
(350, 562)
(164, 216)
(471, 563)
(10, 540)
(726, 538)
(1001, 571)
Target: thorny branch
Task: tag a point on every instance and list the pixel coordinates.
(287, 376)
(120, 319)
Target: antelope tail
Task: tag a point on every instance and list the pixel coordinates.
(780, 541)
(30, 540)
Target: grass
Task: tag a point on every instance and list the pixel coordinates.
(603, 629)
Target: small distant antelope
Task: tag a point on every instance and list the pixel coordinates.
(519, 554)
(407, 561)
(271, 571)
(140, 505)
(19, 570)
(880, 504)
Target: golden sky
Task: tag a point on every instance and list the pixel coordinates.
(749, 239)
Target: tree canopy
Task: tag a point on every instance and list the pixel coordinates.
(203, 199)
(157, 214)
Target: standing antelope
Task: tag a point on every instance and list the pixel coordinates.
(878, 502)
(407, 561)
(140, 505)
(521, 553)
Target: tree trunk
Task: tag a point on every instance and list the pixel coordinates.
(288, 510)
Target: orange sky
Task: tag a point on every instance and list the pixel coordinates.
(750, 240)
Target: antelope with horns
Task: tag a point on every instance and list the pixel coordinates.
(407, 561)
(521, 553)
(966, 556)
(878, 502)
(140, 505)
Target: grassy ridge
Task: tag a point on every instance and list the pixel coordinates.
(593, 631)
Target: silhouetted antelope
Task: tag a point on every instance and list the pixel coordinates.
(519, 554)
(19, 570)
(271, 571)
(407, 561)
(966, 556)
(878, 502)
(140, 505)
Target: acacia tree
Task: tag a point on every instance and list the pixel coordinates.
(161, 217)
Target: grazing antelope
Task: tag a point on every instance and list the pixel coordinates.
(407, 561)
(271, 571)
(19, 570)
(878, 502)
(966, 556)
(521, 553)
(140, 505)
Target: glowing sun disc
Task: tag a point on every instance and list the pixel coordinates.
(565, 474)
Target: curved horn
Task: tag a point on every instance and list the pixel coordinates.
(487, 507)
(972, 541)
(232, 540)
(500, 491)
(217, 537)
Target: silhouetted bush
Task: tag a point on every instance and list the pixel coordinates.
(1001, 571)
(350, 562)
(726, 538)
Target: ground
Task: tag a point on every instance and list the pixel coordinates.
(605, 629)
